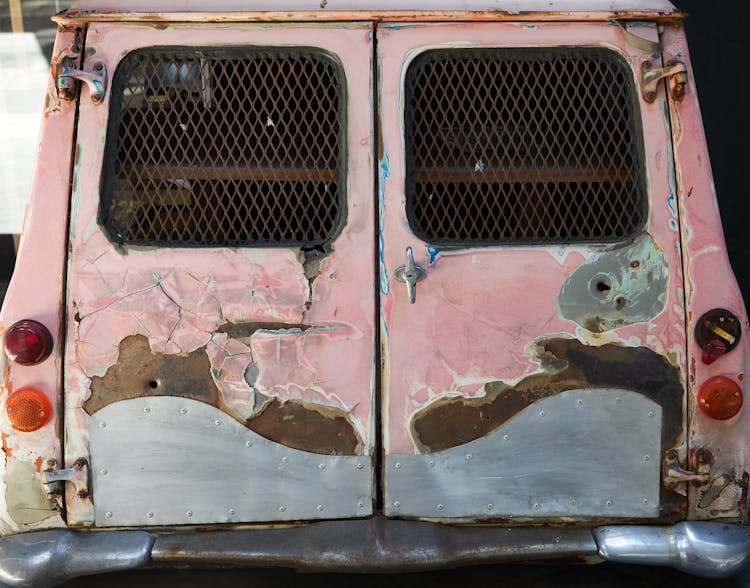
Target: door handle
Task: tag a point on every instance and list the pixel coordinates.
(410, 274)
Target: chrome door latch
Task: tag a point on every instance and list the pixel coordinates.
(78, 475)
(96, 80)
(676, 73)
(410, 274)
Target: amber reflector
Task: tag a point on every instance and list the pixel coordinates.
(28, 342)
(720, 398)
(28, 409)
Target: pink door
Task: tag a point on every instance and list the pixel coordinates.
(539, 368)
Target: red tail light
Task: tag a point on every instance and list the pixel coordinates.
(720, 398)
(28, 409)
(28, 342)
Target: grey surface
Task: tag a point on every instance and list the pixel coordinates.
(47, 558)
(167, 460)
(711, 550)
(576, 454)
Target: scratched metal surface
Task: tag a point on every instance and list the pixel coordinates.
(166, 460)
(580, 453)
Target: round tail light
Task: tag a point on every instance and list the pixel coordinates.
(720, 398)
(28, 409)
(28, 342)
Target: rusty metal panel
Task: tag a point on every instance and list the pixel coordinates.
(170, 461)
(581, 453)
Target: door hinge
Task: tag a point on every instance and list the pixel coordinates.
(78, 475)
(676, 478)
(676, 74)
(68, 76)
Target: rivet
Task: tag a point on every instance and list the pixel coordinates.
(469, 457)
(432, 464)
(232, 511)
(490, 506)
(321, 466)
(285, 459)
(108, 514)
(618, 400)
(537, 506)
(103, 471)
(646, 457)
(282, 508)
(506, 437)
(321, 507)
(542, 413)
(573, 502)
(397, 504)
(360, 466)
(248, 443)
(580, 402)
(398, 465)
(150, 515)
(102, 424)
(651, 414)
(440, 507)
(183, 410)
(608, 503)
(146, 409)
(189, 513)
(361, 504)
(645, 501)
(217, 422)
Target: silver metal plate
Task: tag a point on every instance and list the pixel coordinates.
(169, 461)
(581, 453)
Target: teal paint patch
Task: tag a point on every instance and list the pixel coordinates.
(672, 173)
(619, 287)
(384, 174)
(432, 255)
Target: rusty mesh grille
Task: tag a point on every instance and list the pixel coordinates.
(225, 148)
(522, 146)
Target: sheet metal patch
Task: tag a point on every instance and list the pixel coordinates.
(170, 461)
(581, 453)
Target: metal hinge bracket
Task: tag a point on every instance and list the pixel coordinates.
(676, 74)
(674, 475)
(96, 80)
(78, 475)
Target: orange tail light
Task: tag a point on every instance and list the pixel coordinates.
(28, 409)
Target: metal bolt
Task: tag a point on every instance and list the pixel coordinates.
(232, 511)
(506, 437)
(580, 402)
(146, 409)
(398, 465)
(440, 507)
(573, 502)
(397, 504)
(102, 424)
(608, 503)
(150, 515)
(98, 66)
(108, 514)
(490, 506)
(469, 457)
(321, 466)
(189, 513)
(537, 506)
(103, 471)
(361, 504)
(217, 422)
(542, 413)
(646, 457)
(285, 459)
(651, 414)
(248, 443)
(432, 464)
(321, 507)
(360, 466)
(645, 501)
(184, 410)
(282, 508)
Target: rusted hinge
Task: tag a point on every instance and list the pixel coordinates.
(96, 80)
(675, 73)
(674, 475)
(78, 475)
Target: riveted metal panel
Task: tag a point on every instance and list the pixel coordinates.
(582, 453)
(167, 461)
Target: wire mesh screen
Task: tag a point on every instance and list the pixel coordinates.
(225, 148)
(522, 145)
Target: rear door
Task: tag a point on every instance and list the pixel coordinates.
(220, 347)
(539, 370)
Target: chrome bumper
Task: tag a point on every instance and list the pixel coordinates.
(46, 558)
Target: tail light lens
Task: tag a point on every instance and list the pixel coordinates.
(28, 342)
(28, 409)
(720, 398)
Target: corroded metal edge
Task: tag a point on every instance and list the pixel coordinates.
(378, 544)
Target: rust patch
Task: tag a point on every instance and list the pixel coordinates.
(246, 330)
(6, 448)
(305, 426)
(569, 364)
(141, 372)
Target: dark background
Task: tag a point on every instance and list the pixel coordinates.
(719, 42)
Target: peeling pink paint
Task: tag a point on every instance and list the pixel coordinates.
(479, 311)
(710, 283)
(179, 297)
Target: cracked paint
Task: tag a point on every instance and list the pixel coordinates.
(261, 332)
